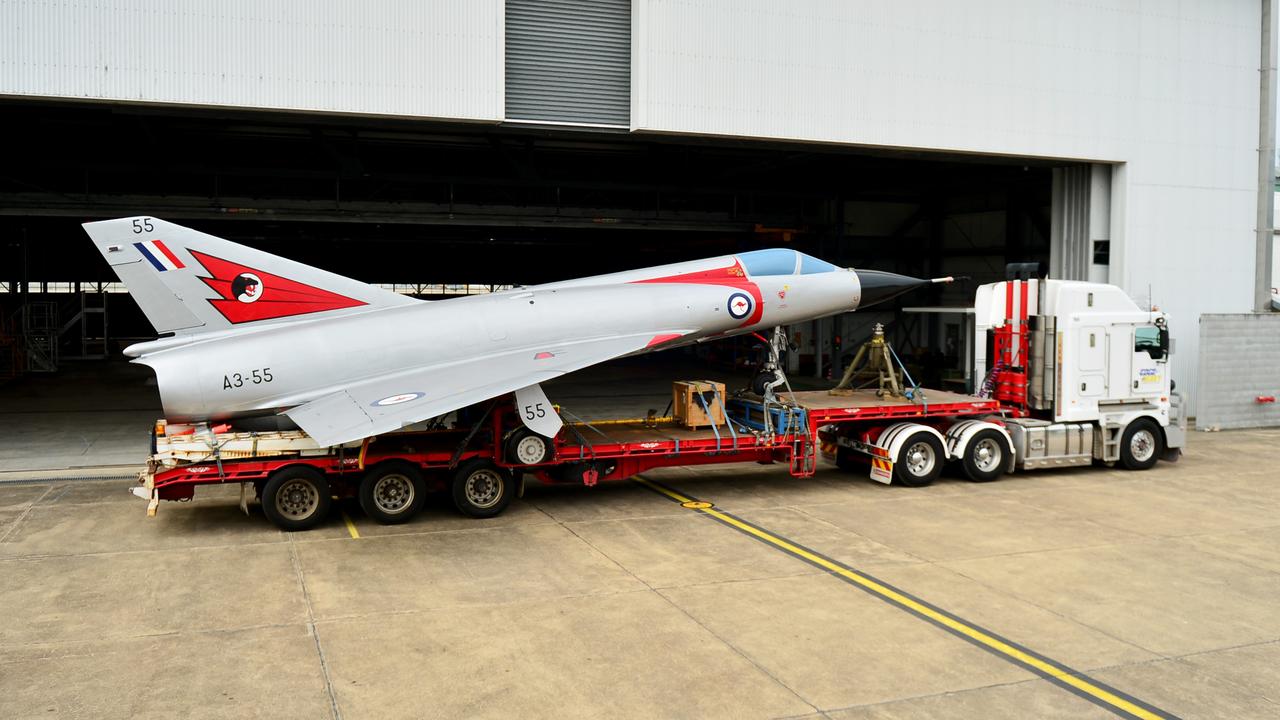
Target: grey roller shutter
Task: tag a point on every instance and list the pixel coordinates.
(569, 61)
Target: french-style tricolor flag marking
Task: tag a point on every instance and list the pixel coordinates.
(159, 255)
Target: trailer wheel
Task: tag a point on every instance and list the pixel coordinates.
(296, 498)
(1141, 444)
(919, 462)
(392, 493)
(481, 489)
(526, 447)
(986, 456)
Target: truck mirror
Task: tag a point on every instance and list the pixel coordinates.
(1164, 342)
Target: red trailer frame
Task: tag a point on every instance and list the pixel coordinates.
(626, 449)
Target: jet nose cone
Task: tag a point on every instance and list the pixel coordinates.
(879, 286)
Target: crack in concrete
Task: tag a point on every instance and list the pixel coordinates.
(315, 633)
(13, 529)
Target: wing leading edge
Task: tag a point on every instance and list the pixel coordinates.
(393, 401)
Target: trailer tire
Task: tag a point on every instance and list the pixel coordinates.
(296, 498)
(526, 447)
(920, 460)
(986, 456)
(481, 489)
(392, 493)
(1141, 444)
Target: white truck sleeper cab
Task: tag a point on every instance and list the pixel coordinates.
(1099, 386)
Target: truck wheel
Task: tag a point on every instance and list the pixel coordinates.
(526, 447)
(296, 498)
(392, 493)
(1141, 444)
(919, 461)
(986, 456)
(481, 489)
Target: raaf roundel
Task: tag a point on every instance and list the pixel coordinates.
(247, 294)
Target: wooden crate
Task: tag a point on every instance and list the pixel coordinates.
(686, 408)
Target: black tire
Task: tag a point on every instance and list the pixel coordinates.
(986, 456)
(762, 380)
(296, 498)
(526, 447)
(481, 489)
(846, 460)
(914, 471)
(1141, 444)
(392, 493)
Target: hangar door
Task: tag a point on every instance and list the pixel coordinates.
(1080, 230)
(569, 61)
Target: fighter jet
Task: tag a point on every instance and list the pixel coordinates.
(247, 334)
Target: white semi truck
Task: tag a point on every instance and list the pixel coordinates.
(1080, 374)
(1085, 372)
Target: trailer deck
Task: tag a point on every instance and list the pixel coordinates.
(585, 452)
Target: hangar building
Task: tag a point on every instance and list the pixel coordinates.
(436, 144)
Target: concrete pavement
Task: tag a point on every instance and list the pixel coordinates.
(615, 601)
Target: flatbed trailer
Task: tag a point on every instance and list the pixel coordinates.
(1078, 374)
(484, 463)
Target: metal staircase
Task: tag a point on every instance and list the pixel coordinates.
(40, 335)
(91, 320)
(32, 339)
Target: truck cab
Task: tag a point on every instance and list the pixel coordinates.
(1084, 371)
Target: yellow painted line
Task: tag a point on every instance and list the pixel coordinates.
(351, 527)
(956, 625)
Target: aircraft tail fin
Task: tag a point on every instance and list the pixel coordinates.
(187, 281)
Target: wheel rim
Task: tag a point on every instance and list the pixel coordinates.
(297, 499)
(987, 454)
(1142, 445)
(393, 493)
(483, 488)
(920, 458)
(531, 450)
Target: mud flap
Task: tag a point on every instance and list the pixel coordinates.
(882, 470)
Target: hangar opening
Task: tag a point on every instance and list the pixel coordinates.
(439, 209)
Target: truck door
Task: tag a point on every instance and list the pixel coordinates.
(1092, 360)
(1150, 365)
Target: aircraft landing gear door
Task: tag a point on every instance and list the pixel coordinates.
(1093, 361)
(536, 412)
(1150, 363)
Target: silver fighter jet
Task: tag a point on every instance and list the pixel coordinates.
(246, 333)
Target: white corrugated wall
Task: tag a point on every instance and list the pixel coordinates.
(442, 58)
(1166, 90)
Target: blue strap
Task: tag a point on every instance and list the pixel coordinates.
(702, 401)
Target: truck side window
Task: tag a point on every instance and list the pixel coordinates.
(1148, 339)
